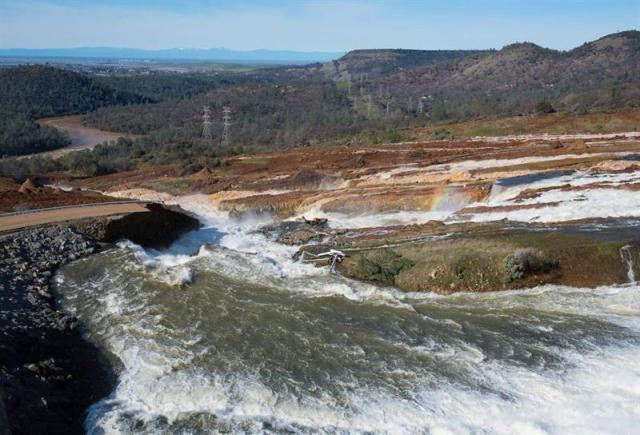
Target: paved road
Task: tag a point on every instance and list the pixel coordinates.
(48, 216)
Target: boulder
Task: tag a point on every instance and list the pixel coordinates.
(29, 187)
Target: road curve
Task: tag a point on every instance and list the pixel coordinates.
(10, 222)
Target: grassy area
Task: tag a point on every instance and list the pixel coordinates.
(255, 161)
(557, 123)
(504, 261)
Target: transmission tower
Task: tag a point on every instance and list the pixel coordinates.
(226, 122)
(206, 123)
(369, 103)
(421, 105)
(410, 105)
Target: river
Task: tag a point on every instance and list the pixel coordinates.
(81, 136)
(225, 333)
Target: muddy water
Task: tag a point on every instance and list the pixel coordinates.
(81, 136)
(223, 333)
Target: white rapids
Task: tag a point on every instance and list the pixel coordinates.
(225, 333)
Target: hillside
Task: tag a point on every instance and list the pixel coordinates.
(35, 91)
(599, 75)
(375, 63)
(39, 91)
(367, 96)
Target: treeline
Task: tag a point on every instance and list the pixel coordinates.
(163, 86)
(36, 91)
(265, 114)
(122, 155)
(20, 135)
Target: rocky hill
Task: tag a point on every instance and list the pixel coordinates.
(603, 74)
(373, 63)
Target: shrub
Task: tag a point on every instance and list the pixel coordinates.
(382, 266)
(527, 261)
(440, 134)
(545, 106)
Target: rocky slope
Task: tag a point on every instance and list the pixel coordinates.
(49, 375)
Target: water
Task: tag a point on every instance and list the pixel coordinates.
(224, 333)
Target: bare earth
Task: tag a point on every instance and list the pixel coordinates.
(13, 222)
(81, 137)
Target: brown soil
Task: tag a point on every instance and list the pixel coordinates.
(15, 197)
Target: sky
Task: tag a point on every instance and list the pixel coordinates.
(311, 25)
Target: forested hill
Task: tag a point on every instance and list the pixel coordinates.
(39, 91)
(35, 91)
(599, 75)
(376, 62)
(366, 96)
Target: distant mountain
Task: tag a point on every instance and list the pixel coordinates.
(211, 54)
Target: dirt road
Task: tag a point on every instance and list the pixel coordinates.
(47, 216)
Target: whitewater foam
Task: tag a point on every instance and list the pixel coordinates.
(546, 360)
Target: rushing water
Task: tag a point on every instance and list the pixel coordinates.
(238, 338)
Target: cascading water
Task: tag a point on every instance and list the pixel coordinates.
(627, 259)
(239, 338)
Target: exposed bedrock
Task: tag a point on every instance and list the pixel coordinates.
(157, 228)
(361, 200)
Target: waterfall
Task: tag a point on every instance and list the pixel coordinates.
(625, 254)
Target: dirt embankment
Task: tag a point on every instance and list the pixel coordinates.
(31, 195)
(420, 176)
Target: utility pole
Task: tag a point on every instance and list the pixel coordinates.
(369, 103)
(226, 122)
(206, 124)
(410, 105)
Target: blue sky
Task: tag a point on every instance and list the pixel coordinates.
(311, 25)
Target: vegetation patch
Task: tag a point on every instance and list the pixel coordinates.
(526, 262)
(381, 266)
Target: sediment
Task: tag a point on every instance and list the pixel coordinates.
(49, 374)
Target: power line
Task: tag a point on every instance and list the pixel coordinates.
(206, 123)
(226, 122)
